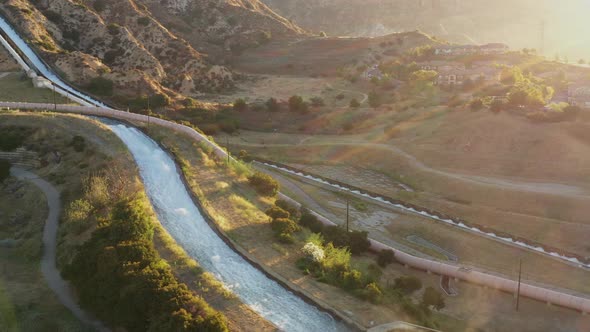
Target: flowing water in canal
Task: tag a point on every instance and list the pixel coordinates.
(183, 220)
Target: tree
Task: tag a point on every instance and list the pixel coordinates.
(240, 105)
(385, 257)
(264, 184)
(317, 102)
(354, 103)
(4, 170)
(272, 105)
(374, 99)
(101, 86)
(407, 285)
(275, 212)
(296, 104)
(433, 298)
(581, 61)
(476, 104)
(323, 34)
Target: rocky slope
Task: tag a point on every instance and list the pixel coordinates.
(173, 47)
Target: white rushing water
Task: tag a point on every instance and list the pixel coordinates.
(183, 220)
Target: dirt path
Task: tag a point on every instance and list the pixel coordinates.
(365, 96)
(511, 184)
(48, 262)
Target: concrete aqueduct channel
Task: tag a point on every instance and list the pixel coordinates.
(184, 220)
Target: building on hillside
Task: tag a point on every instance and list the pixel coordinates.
(459, 76)
(493, 48)
(439, 65)
(372, 72)
(579, 95)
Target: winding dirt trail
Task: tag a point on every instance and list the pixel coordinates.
(48, 262)
(503, 183)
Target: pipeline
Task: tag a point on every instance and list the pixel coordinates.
(96, 108)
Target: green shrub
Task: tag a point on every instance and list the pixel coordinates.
(240, 105)
(264, 184)
(99, 5)
(310, 221)
(357, 241)
(373, 293)
(114, 29)
(296, 104)
(4, 170)
(407, 285)
(354, 103)
(317, 102)
(275, 212)
(433, 298)
(101, 86)
(385, 257)
(143, 20)
(284, 226)
(286, 238)
(272, 105)
(78, 143)
(12, 138)
(53, 16)
(292, 209)
(352, 279)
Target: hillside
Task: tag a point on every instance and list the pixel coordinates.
(171, 47)
(462, 21)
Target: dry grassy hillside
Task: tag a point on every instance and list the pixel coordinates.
(6, 62)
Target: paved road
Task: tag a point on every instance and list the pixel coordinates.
(48, 262)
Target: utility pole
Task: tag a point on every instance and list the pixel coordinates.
(227, 147)
(347, 215)
(148, 110)
(519, 279)
(54, 101)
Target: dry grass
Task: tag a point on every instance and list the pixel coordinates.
(238, 211)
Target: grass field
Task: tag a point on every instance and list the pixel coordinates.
(18, 87)
(526, 179)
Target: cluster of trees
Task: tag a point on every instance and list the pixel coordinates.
(4, 170)
(264, 184)
(284, 223)
(331, 264)
(355, 241)
(119, 276)
(13, 137)
(399, 70)
(101, 86)
(526, 90)
(295, 103)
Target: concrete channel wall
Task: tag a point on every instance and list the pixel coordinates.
(452, 270)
